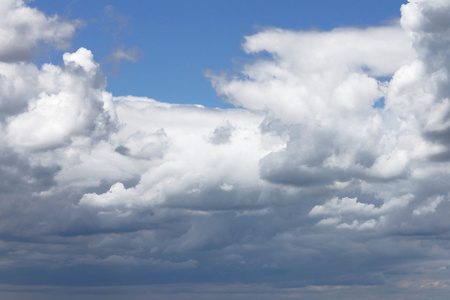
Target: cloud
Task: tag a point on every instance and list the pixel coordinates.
(73, 104)
(222, 134)
(181, 157)
(429, 207)
(145, 146)
(24, 29)
(130, 55)
(114, 22)
(341, 212)
(427, 26)
(338, 69)
(321, 88)
(304, 185)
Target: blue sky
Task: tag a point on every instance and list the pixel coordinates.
(179, 40)
(316, 166)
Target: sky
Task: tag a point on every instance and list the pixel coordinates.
(224, 150)
(171, 44)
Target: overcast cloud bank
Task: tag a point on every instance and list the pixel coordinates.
(330, 175)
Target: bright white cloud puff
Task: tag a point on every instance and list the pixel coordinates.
(304, 176)
(68, 102)
(23, 29)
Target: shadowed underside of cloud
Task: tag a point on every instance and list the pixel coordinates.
(305, 188)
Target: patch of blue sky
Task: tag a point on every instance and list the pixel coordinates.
(179, 40)
(380, 103)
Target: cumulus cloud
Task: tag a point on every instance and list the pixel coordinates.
(74, 104)
(317, 74)
(304, 175)
(423, 86)
(342, 212)
(23, 29)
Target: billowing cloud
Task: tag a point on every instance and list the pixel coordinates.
(306, 187)
(24, 29)
(70, 102)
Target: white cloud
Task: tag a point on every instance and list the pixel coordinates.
(378, 50)
(419, 91)
(22, 29)
(74, 104)
(429, 207)
(337, 212)
(317, 75)
(226, 187)
(116, 195)
(390, 165)
(321, 87)
(180, 157)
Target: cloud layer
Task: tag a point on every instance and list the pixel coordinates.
(330, 174)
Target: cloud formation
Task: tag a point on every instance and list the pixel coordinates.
(305, 186)
(23, 30)
(130, 55)
(70, 102)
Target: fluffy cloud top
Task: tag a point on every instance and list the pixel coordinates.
(68, 102)
(306, 175)
(24, 29)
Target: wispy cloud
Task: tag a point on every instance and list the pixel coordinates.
(121, 54)
(114, 22)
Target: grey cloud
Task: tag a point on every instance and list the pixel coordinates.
(306, 190)
(222, 134)
(219, 198)
(14, 79)
(428, 25)
(145, 145)
(287, 173)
